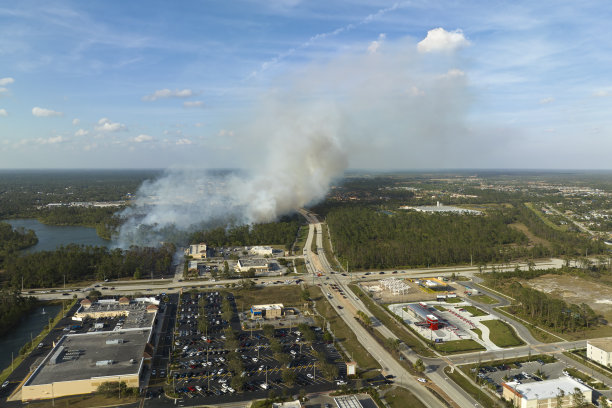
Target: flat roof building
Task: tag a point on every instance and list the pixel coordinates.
(80, 363)
(267, 311)
(600, 351)
(259, 264)
(545, 393)
(440, 208)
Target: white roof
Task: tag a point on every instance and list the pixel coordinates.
(548, 388)
(268, 307)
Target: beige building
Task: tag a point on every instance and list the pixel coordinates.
(196, 251)
(271, 311)
(260, 265)
(544, 394)
(80, 363)
(600, 351)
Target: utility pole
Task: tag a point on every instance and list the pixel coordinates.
(22, 284)
(64, 281)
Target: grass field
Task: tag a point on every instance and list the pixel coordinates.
(287, 295)
(475, 311)
(385, 318)
(484, 299)
(502, 334)
(398, 398)
(441, 308)
(478, 332)
(454, 300)
(458, 346)
(544, 218)
(328, 249)
(344, 334)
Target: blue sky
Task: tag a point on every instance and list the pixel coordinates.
(158, 84)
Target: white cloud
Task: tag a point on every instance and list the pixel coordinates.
(193, 104)
(415, 91)
(44, 113)
(440, 40)
(183, 142)
(75, 121)
(3, 113)
(6, 81)
(52, 140)
(375, 45)
(105, 125)
(167, 93)
(224, 132)
(143, 138)
(454, 73)
(199, 124)
(3, 90)
(600, 93)
(81, 132)
(545, 101)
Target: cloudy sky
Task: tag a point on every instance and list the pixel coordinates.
(420, 84)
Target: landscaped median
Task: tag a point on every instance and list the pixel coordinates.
(501, 334)
(475, 392)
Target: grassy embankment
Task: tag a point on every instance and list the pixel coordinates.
(501, 334)
(538, 333)
(487, 300)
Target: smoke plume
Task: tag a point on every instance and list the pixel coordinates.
(382, 107)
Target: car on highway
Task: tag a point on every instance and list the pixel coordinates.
(422, 380)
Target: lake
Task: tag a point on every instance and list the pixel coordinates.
(31, 325)
(51, 237)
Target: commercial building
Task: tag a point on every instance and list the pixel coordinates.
(196, 251)
(440, 208)
(600, 351)
(258, 264)
(80, 363)
(348, 401)
(267, 311)
(545, 394)
(288, 404)
(262, 250)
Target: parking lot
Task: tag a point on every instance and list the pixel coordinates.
(224, 363)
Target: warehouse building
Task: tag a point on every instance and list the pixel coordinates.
(80, 363)
(271, 311)
(545, 394)
(600, 351)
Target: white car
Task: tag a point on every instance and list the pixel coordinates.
(254, 359)
(197, 387)
(422, 380)
(310, 376)
(340, 382)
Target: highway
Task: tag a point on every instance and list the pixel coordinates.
(320, 264)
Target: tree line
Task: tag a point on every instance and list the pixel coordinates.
(12, 308)
(13, 240)
(370, 239)
(282, 232)
(539, 307)
(77, 263)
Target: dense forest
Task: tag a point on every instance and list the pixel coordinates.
(370, 239)
(77, 263)
(541, 308)
(282, 232)
(101, 218)
(15, 239)
(12, 308)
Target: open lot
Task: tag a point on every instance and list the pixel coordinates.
(577, 290)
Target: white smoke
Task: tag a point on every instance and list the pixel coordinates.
(357, 109)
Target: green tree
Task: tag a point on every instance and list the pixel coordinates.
(288, 376)
(578, 399)
(268, 331)
(419, 366)
(603, 402)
